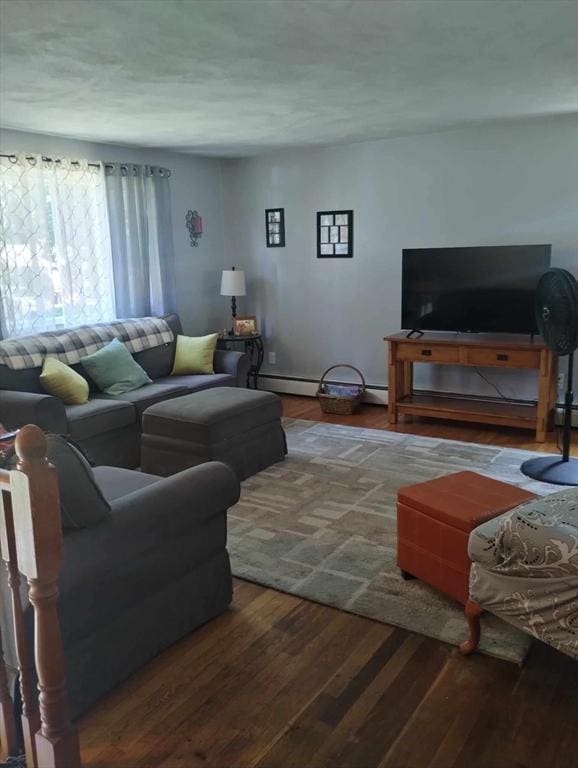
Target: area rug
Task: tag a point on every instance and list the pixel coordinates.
(322, 525)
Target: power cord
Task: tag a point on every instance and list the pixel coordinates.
(558, 429)
(494, 386)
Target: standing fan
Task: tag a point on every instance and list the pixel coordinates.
(557, 318)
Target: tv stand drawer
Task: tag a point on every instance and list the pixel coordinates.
(427, 353)
(502, 358)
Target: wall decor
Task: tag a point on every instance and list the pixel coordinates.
(195, 227)
(244, 325)
(335, 234)
(275, 227)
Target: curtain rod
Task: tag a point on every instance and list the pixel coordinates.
(106, 166)
(50, 160)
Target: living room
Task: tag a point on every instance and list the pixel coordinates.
(249, 182)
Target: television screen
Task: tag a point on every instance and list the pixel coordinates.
(479, 289)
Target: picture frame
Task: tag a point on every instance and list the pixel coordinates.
(275, 227)
(335, 234)
(245, 325)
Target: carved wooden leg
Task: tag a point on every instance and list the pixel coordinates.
(38, 531)
(406, 575)
(472, 612)
(30, 713)
(57, 742)
(8, 737)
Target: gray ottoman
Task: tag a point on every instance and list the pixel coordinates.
(241, 427)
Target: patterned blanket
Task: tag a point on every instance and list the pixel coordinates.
(70, 345)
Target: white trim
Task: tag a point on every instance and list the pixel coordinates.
(309, 389)
(287, 386)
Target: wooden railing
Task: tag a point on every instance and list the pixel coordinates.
(31, 545)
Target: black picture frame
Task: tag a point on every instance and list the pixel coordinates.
(335, 234)
(275, 227)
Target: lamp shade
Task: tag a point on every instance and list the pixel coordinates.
(233, 282)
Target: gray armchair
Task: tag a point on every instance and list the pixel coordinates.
(525, 570)
(153, 571)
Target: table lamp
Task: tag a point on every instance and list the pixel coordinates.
(233, 285)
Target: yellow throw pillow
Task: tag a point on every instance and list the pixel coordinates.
(194, 354)
(62, 381)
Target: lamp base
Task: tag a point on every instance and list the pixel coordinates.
(233, 313)
(552, 469)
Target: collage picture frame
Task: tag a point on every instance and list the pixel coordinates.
(335, 234)
(275, 227)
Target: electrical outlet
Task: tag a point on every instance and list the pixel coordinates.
(561, 381)
(272, 358)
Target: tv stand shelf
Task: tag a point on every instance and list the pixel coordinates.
(476, 350)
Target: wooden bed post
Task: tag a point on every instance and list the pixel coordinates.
(38, 535)
(8, 738)
(30, 717)
(472, 612)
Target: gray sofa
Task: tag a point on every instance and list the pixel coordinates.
(108, 427)
(131, 586)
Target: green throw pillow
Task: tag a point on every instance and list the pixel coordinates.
(114, 370)
(60, 380)
(194, 354)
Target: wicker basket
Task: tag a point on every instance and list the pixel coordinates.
(344, 404)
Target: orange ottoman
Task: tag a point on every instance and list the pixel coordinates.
(434, 521)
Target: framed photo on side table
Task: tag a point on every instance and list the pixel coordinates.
(275, 227)
(245, 325)
(335, 234)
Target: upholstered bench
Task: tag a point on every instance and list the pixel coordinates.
(435, 519)
(241, 427)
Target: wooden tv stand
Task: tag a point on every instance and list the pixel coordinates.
(476, 350)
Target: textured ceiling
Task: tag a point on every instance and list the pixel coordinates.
(238, 77)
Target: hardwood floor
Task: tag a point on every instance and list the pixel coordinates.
(280, 682)
(375, 417)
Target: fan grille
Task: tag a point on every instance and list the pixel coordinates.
(557, 310)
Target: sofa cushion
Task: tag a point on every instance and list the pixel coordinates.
(25, 380)
(116, 483)
(150, 394)
(194, 354)
(82, 504)
(98, 415)
(62, 381)
(213, 415)
(114, 369)
(158, 362)
(197, 381)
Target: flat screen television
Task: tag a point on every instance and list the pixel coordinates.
(486, 289)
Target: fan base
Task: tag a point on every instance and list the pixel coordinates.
(552, 469)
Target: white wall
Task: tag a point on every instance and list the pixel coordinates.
(509, 183)
(196, 183)
(500, 184)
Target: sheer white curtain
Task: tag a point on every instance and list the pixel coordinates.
(55, 254)
(139, 211)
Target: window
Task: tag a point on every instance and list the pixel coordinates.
(55, 255)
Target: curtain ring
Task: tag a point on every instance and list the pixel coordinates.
(32, 160)
(12, 159)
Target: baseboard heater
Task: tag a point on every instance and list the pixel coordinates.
(376, 394)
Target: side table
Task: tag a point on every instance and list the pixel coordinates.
(253, 347)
